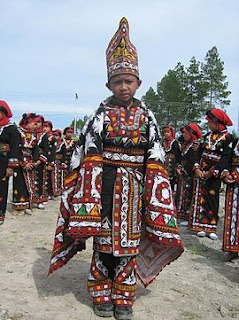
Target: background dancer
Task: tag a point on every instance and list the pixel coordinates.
(9, 154)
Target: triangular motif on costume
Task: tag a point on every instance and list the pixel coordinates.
(130, 280)
(95, 211)
(82, 211)
(143, 128)
(172, 223)
(118, 139)
(135, 140)
(106, 223)
(89, 207)
(167, 218)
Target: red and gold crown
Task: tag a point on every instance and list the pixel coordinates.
(121, 54)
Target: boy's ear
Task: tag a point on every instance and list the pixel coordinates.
(139, 83)
(107, 85)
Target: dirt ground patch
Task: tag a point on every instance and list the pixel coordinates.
(196, 286)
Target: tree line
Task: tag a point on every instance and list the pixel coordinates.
(185, 93)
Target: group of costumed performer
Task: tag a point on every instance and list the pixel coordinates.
(185, 170)
(118, 192)
(199, 173)
(213, 155)
(30, 153)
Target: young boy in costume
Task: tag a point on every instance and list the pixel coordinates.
(10, 154)
(209, 171)
(172, 153)
(117, 165)
(191, 136)
(25, 177)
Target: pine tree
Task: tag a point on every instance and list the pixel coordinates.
(196, 91)
(217, 85)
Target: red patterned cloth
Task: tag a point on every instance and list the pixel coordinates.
(129, 144)
(231, 218)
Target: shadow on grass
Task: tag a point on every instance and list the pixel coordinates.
(209, 252)
(71, 279)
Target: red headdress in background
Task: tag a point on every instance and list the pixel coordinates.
(193, 130)
(26, 119)
(219, 117)
(6, 113)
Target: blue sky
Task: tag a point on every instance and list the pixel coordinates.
(52, 49)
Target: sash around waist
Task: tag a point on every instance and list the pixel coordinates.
(123, 157)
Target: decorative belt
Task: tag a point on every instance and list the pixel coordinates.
(211, 156)
(27, 152)
(123, 157)
(4, 147)
(58, 156)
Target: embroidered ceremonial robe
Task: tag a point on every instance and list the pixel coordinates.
(9, 158)
(58, 169)
(50, 162)
(231, 218)
(119, 192)
(185, 182)
(214, 153)
(24, 180)
(41, 176)
(69, 148)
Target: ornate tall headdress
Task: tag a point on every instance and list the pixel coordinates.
(121, 54)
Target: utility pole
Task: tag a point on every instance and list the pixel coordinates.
(238, 121)
(75, 114)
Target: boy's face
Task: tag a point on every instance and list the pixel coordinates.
(46, 129)
(186, 137)
(38, 124)
(31, 126)
(123, 87)
(69, 134)
(212, 126)
(167, 133)
(57, 137)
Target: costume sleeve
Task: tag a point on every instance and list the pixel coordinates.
(35, 153)
(161, 242)
(85, 214)
(177, 152)
(160, 214)
(79, 215)
(190, 162)
(15, 151)
(52, 150)
(43, 149)
(223, 162)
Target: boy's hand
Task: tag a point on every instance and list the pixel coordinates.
(199, 174)
(207, 174)
(229, 179)
(9, 172)
(29, 166)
